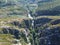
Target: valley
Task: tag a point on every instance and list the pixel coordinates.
(12, 28)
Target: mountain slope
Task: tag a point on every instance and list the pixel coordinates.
(18, 28)
(17, 7)
(49, 8)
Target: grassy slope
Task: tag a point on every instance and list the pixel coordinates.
(48, 5)
(17, 10)
(6, 10)
(4, 37)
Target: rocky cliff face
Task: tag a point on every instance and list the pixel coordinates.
(46, 31)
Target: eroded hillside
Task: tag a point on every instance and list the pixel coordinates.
(15, 28)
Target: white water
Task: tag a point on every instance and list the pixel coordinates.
(18, 42)
(26, 34)
(32, 23)
(30, 16)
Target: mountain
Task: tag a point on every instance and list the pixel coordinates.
(46, 30)
(17, 29)
(49, 8)
(18, 7)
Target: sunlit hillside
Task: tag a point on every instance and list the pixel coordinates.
(17, 7)
(12, 28)
(29, 22)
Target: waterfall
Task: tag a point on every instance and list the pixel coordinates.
(32, 24)
(29, 15)
(18, 42)
(26, 34)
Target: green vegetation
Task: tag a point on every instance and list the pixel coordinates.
(48, 5)
(11, 13)
(33, 33)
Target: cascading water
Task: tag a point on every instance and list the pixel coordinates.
(18, 42)
(29, 15)
(32, 24)
(26, 34)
